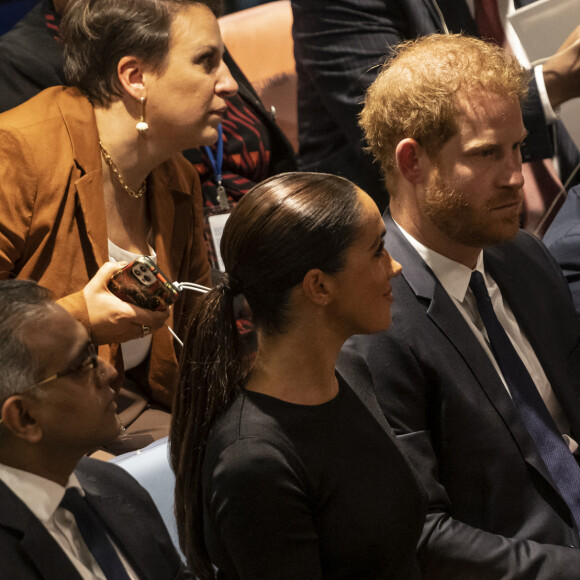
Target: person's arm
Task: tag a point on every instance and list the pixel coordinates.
(560, 77)
(338, 48)
(259, 508)
(339, 45)
(111, 319)
(566, 252)
(30, 59)
(562, 71)
(449, 548)
(107, 318)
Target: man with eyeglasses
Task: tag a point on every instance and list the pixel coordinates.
(63, 515)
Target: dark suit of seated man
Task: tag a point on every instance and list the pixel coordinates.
(445, 121)
(562, 238)
(57, 403)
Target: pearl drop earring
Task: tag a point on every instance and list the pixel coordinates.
(142, 127)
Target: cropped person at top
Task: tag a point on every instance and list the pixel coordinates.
(289, 469)
(93, 173)
(340, 43)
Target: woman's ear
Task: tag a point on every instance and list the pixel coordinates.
(17, 416)
(317, 287)
(410, 158)
(131, 74)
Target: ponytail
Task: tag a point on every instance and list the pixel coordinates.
(278, 231)
(211, 374)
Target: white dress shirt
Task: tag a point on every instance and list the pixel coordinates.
(42, 497)
(455, 277)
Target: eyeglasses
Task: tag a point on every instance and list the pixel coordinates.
(91, 362)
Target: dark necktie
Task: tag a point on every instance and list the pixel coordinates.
(488, 21)
(551, 445)
(93, 532)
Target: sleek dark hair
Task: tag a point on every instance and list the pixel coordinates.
(22, 303)
(281, 229)
(98, 33)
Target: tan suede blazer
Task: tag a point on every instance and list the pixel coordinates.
(52, 215)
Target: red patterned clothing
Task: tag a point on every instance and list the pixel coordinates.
(254, 146)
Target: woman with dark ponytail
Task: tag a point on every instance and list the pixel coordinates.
(283, 469)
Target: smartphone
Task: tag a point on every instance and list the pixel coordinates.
(142, 283)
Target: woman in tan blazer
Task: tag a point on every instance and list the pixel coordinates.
(94, 172)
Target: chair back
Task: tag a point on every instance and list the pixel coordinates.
(151, 468)
(260, 41)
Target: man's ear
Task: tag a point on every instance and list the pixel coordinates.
(131, 74)
(17, 416)
(317, 286)
(411, 160)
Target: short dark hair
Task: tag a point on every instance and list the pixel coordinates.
(98, 33)
(22, 303)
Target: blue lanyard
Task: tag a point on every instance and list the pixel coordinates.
(216, 164)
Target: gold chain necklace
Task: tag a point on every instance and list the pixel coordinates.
(134, 194)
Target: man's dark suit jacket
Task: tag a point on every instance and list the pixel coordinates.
(338, 44)
(494, 511)
(28, 551)
(562, 238)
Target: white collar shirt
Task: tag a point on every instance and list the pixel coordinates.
(42, 497)
(455, 277)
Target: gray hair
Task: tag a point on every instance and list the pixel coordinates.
(22, 302)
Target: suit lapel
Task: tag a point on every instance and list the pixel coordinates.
(92, 204)
(78, 116)
(352, 368)
(508, 277)
(46, 554)
(122, 519)
(445, 315)
(507, 274)
(37, 545)
(173, 210)
(561, 368)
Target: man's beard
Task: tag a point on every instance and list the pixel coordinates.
(456, 214)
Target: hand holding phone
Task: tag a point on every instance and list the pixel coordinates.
(111, 320)
(143, 284)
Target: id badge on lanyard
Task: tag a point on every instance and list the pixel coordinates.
(217, 216)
